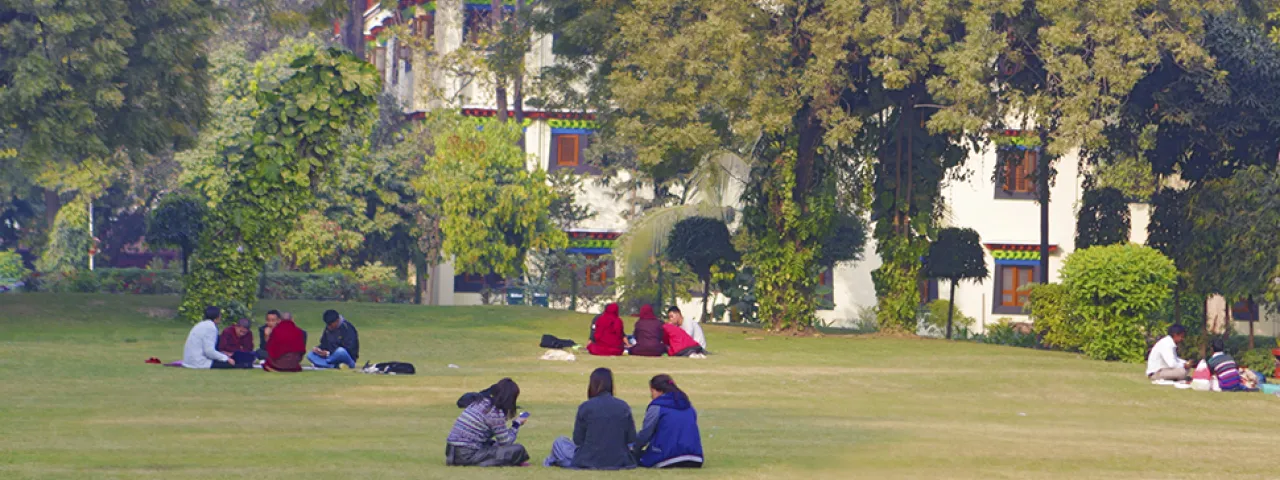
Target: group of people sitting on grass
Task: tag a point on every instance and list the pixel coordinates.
(1165, 366)
(651, 337)
(604, 431)
(283, 344)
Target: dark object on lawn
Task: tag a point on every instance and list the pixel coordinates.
(392, 368)
(549, 341)
(469, 398)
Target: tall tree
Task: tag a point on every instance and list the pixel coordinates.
(1103, 218)
(178, 221)
(81, 80)
(1062, 70)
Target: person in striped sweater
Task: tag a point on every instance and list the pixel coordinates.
(485, 433)
(1224, 368)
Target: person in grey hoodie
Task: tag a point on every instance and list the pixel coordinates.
(201, 349)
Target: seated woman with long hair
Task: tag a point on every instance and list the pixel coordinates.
(669, 437)
(481, 436)
(286, 345)
(602, 432)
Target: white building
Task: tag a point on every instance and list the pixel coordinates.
(1004, 213)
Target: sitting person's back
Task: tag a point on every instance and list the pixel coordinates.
(606, 333)
(285, 347)
(670, 435)
(690, 327)
(679, 343)
(1225, 369)
(650, 338)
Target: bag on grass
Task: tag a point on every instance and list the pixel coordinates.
(550, 341)
(1200, 379)
(391, 368)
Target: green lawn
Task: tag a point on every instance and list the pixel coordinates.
(78, 402)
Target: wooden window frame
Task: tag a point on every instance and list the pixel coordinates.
(1026, 165)
(561, 155)
(999, 288)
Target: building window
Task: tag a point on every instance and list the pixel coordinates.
(827, 290)
(472, 283)
(928, 290)
(597, 272)
(1016, 179)
(1010, 287)
(476, 21)
(1245, 311)
(567, 150)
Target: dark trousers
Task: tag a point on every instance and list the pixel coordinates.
(221, 364)
(690, 351)
(488, 456)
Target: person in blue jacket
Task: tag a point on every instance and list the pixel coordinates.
(669, 437)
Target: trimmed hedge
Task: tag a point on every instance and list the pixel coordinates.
(274, 286)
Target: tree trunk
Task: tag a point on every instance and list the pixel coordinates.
(951, 308)
(429, 290)
(51, 205)
(706, 296)
(500, 78)
(517, 81)
(1042, 185)
(186, 255)
(1177, 303)
(1226, 319)
(353, 28)
(420, 282)
(1204, 330)
(1251, 335)
(906, 207)
(660, 285)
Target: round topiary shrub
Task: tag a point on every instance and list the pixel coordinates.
(1113, 289)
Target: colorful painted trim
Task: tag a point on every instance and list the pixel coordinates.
(592, 243)
(574, 124)
(1009, 253)
(1016, 140)
(536, 115)
(571, 131)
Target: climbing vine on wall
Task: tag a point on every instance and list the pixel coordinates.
(272, 173)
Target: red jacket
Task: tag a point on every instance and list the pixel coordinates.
(229, 341)
(606, 333)
(677, 339)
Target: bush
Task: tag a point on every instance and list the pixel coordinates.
(1114, 289)
(12, 268)
(1003, 333)
(935, 318)
(1239, 344)
(1260, 360)
(1050, 309)
(276, 286)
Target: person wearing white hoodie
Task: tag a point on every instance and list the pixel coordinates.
(201, 350)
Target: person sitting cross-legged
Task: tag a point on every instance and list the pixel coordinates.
(603, 431)
(679, 343)
(1163, 363)
(669, 436)
(286, 344)
(339, 344)
(690, 327)
(651, 340)
(1224, 369)
(607, 338)
(201, 349)
(236, 342)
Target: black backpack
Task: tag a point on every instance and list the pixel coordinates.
(551, 341)
(394, 368)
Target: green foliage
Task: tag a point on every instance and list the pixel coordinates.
(69, 241)
(783, 252)
(739, 289)
(1004, 333)
(178, 221)
(1260, 360)
(494, 209)
(1226, 258)
(702, 243)
(316, 241)
(1113, 289)
(957, 255)
(1052, 312)
(376, 272)
(936, 316)
(271, 174)
(897, 284)
(655, 283)
(85, 79)
(135, 281)
(1130, 175)
(1103, 218)
(11, 267)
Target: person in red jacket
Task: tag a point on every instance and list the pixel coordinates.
(606, 333)
(679, 343)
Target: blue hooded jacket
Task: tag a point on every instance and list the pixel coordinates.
(670, 433)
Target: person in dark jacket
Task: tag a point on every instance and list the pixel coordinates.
(651, 340)
(669, 437)
(602, 433)
(339, 344)
(273, 319)
(236, 341)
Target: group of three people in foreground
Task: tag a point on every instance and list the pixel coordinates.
(1164, 364)
(677, 337)
(283, 344)
(604, 431)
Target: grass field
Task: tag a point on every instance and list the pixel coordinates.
(78, 402)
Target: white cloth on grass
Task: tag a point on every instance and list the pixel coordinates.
(201, 348)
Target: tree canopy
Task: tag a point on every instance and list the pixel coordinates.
(178, 221)
(702, 243)
(956, 255)
(1103, 218)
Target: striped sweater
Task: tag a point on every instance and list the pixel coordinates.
(1224, 367)
(481, 425)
